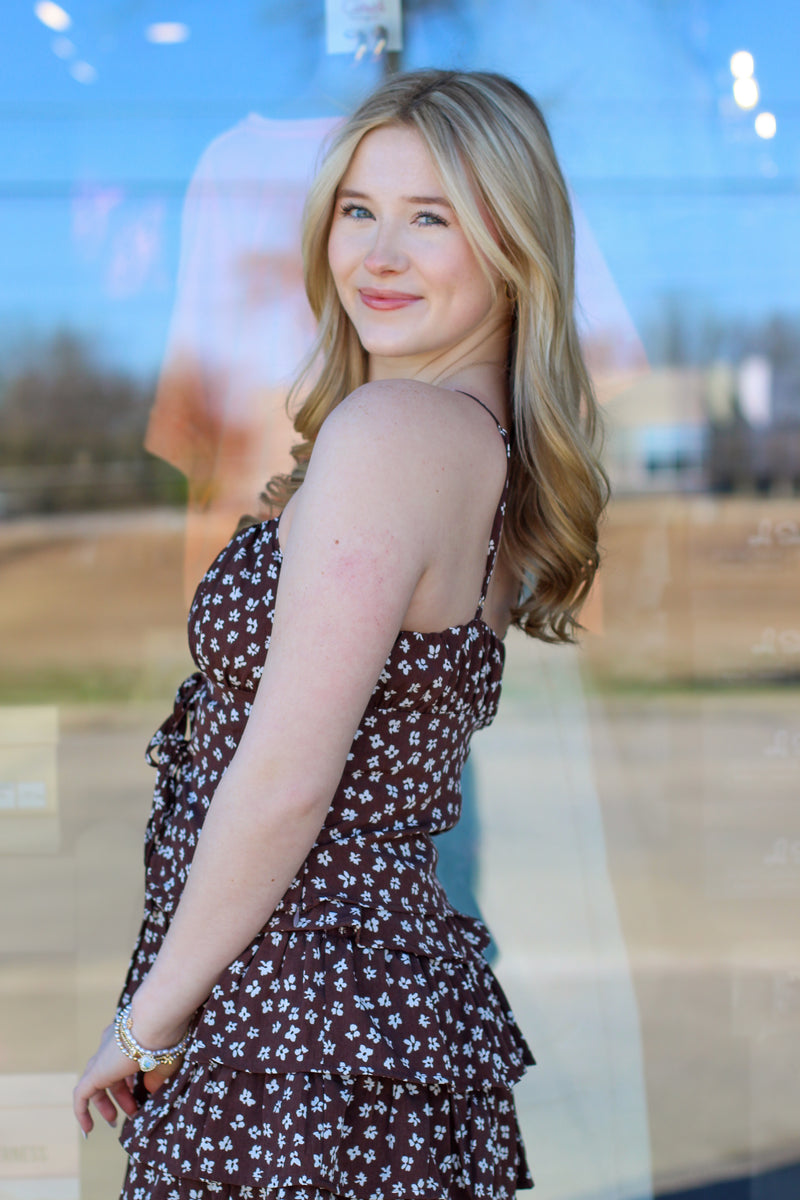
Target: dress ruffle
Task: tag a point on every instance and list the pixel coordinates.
(326, 999)
(315, 1135)
(303, 1080)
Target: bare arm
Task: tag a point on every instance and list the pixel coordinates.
(351, 565)
(363, 527)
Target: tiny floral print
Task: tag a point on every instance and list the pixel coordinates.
(361, 1046)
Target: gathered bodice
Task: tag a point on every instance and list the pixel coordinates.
(402, 776)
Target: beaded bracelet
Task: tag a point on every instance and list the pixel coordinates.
(146, 1060)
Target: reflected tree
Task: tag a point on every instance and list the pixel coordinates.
(71, 431)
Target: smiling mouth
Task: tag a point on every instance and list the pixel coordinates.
(386, 300)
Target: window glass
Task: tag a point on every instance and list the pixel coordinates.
(630, 832)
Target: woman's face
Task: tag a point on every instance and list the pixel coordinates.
(405, 273)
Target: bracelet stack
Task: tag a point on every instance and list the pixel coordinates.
(146, 1060)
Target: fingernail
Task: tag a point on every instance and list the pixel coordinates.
(85, 1135)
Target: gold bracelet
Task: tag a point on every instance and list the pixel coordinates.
(146, 1060)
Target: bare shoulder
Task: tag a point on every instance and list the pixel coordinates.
(398, 502)
(405, 460)
(406, 419)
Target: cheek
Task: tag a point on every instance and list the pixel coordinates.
(340, 253)
(334, 256)
(470, 287)
(459, 267)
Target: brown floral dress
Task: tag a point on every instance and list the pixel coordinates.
(361, 1046)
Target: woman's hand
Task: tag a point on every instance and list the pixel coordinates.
(108, 1074)
(110, 1077)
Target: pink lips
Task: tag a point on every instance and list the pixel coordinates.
(385, 300)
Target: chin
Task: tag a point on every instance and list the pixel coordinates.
(388, 347)
(383, 337)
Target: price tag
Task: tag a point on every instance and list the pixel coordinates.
(363, 26)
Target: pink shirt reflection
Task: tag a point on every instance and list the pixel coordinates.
(240, 325)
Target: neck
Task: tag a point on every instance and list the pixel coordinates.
(488, 380)
(486, 350)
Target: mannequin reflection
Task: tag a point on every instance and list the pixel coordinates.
(240, 326)
(241, 322)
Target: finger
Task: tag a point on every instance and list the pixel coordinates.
(105, 1106)
(155, 1079)
(122, 1094)
(80, 1106)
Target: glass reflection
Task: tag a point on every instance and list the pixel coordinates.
(639, 848)
(52, 15)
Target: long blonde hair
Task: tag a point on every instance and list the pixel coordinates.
(491, 146)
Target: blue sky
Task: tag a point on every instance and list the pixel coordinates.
(684, 199)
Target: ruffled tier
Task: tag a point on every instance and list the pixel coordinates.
(441, 933)
(211, 1131)
(331, 1061)
(326, 1000)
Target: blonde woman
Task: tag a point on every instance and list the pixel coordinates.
(307, 1014)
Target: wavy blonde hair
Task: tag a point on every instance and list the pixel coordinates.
(491, 147)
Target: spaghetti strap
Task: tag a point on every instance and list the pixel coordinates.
(502, 428)
(497, 525)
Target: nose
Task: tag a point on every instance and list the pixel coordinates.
(386, 254)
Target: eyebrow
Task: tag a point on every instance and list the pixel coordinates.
(353, 195)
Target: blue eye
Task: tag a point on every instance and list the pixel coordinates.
(430, 218)
(354, 210)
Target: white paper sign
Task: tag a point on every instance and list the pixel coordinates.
(28, 781)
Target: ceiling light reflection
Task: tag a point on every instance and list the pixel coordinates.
(62, 47)
(766, 125)
(167, 33)
(745, 93)
(742, 65)
(52, 15)
(84, 72)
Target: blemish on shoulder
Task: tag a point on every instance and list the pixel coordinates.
(336, 541)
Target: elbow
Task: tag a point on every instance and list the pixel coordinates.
(305, 805)
(270, 794)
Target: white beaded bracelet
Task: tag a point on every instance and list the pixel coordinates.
(146, 1060)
